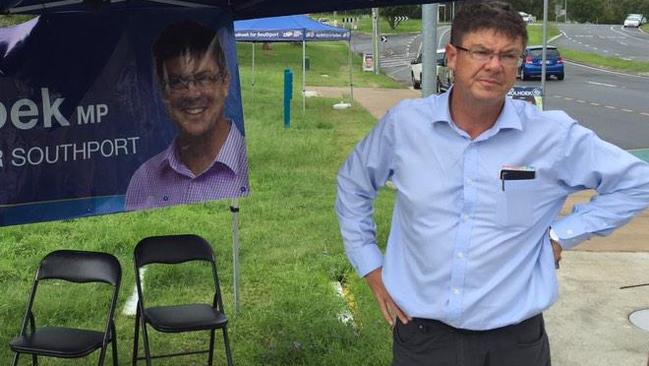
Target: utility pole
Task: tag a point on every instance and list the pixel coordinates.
(375, 39)
(545, 46)
(429, 49)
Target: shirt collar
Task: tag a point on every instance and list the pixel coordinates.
(228, 154)
(509, 117)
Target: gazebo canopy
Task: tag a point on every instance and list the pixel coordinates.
(287, 28)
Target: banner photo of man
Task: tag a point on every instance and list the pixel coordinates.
(119, 110)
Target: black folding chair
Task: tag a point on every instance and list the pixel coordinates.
(175, 249)
(63, 342)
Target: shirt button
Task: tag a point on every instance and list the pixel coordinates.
(569, 231)
(456, 291)
(465, 217)
(460, 255)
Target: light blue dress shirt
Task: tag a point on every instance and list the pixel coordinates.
(461, 249)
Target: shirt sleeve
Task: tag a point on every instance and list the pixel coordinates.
(367, 169)
(620, 179)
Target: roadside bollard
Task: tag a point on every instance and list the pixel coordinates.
(288, 96)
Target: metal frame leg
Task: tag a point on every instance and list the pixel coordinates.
(136, 336)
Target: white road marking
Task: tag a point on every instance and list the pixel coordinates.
(644, 114)
(627, 110)
(594, 104)
(609, 107)
(345, 316)
(581, 101)
(601, 84)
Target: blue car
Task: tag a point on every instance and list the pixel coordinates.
(531, 64)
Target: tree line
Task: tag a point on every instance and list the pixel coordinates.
(581, 11)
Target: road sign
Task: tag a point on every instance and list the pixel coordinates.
(384, 39)
(399, 19)
(368, 62)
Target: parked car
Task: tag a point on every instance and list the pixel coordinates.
(531, 64)
(444, 74)
(634, 20)
(527, 18)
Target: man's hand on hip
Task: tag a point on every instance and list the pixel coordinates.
(389, 309)
(556, 249)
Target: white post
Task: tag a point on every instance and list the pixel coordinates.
(351, 83)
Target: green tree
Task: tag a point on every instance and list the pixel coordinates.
(583, 11)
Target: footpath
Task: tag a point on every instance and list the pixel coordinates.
(589, 324)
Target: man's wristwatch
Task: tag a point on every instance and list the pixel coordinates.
(553, 236)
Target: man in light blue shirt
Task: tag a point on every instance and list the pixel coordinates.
(480, 180)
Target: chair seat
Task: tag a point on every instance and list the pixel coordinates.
(58, 342)
(183, 318)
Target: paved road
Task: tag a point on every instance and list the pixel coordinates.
(397, 52)
(614, 105)
(606, 40)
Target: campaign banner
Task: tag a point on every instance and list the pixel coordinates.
(93, 122)
(287, 35)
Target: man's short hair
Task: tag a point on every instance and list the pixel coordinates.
(187, 37)
(489, 15)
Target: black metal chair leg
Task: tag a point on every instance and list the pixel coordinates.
(16, 357)
(210, 357)
(114, 345)
(34, 360)
(228, 354)
(145, 336)
(102, 355)
(136, 336)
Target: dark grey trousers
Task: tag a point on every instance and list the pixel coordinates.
(425, 342)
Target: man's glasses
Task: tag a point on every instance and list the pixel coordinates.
(483, 55)
(203, 80)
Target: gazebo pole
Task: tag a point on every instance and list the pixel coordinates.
(234, 210)
(303, 74)
(253, 73)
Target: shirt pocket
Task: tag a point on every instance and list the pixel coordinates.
(516, 204)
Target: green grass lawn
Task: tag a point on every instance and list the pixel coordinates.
(609, 63)
(291, 249)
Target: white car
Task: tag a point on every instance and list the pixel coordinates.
(527, 18)
(444, 74)
(634, 20)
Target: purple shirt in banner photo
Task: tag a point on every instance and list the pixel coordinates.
(164, 180)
